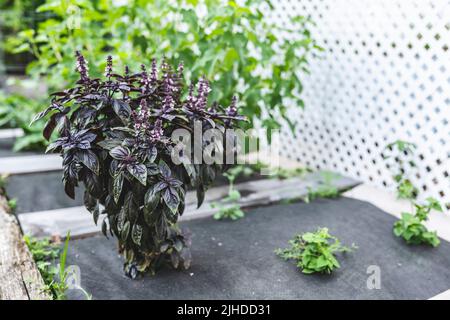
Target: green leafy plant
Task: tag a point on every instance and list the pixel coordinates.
(325, 190)
(46, 255)
(314, 252)
(12, 205)
(402, 152)
(17, 111)
(410, 227)
(3, 183)
(229, 208)
(283, 173)
(236, 45)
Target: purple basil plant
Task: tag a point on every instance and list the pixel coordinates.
(115, 138)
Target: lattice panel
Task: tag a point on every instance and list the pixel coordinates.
(385, 75)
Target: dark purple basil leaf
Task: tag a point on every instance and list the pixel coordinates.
(89, 201)
(175, 182)
(124, 88)
(59, 94)
(124, 129)
(50, 126)
(164, 169)
(63, 124)
(93, 97)
(117, 187)
(136, 234)
(120, 153)
(105, 227)
(171, 199)
(69, 189)
(152, 169)
(181, 207)
(121, 108)
(151, 199)
(93, 184)
(130, 207)
(152, 154)
(168, 117)
(151, 217)
(200, 195)
(109, 144)
(161, 185)
(125, 231)
(96, 213)
(83, 145)
(41, 114)
(114, 168)
(139, 171)
(56, 145)
(89, 136)
(191, 172)
(89, 159)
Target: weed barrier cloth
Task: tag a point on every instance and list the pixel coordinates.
(235, 260)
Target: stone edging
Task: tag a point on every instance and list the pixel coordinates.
(19, 276)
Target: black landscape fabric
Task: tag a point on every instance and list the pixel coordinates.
(236, 260)
(41, 191)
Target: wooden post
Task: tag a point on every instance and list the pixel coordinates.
(19, 277)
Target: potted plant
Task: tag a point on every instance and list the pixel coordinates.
(115, 138)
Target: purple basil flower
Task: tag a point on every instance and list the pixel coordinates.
(108, 68)
(127, 71)
(154, 73)
(157, 132)
(202, 94)
(180, 70)
(82, 66)
(145, 81)
(169, 89)
(232, 109)
(141, 116)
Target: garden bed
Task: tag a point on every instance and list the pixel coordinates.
(236, 260)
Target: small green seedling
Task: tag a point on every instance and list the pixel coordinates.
(3, 181)
(325, 190)
(229, 208)
(46, 254)
(410, 227)
(314, 252)
(402, 153)
(12, 205)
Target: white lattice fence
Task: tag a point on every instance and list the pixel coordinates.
(385, 75)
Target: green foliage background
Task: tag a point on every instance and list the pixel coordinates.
(234, 45)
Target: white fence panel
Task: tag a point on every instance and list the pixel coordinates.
(384, 75)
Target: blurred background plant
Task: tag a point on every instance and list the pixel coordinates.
(233, 43)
